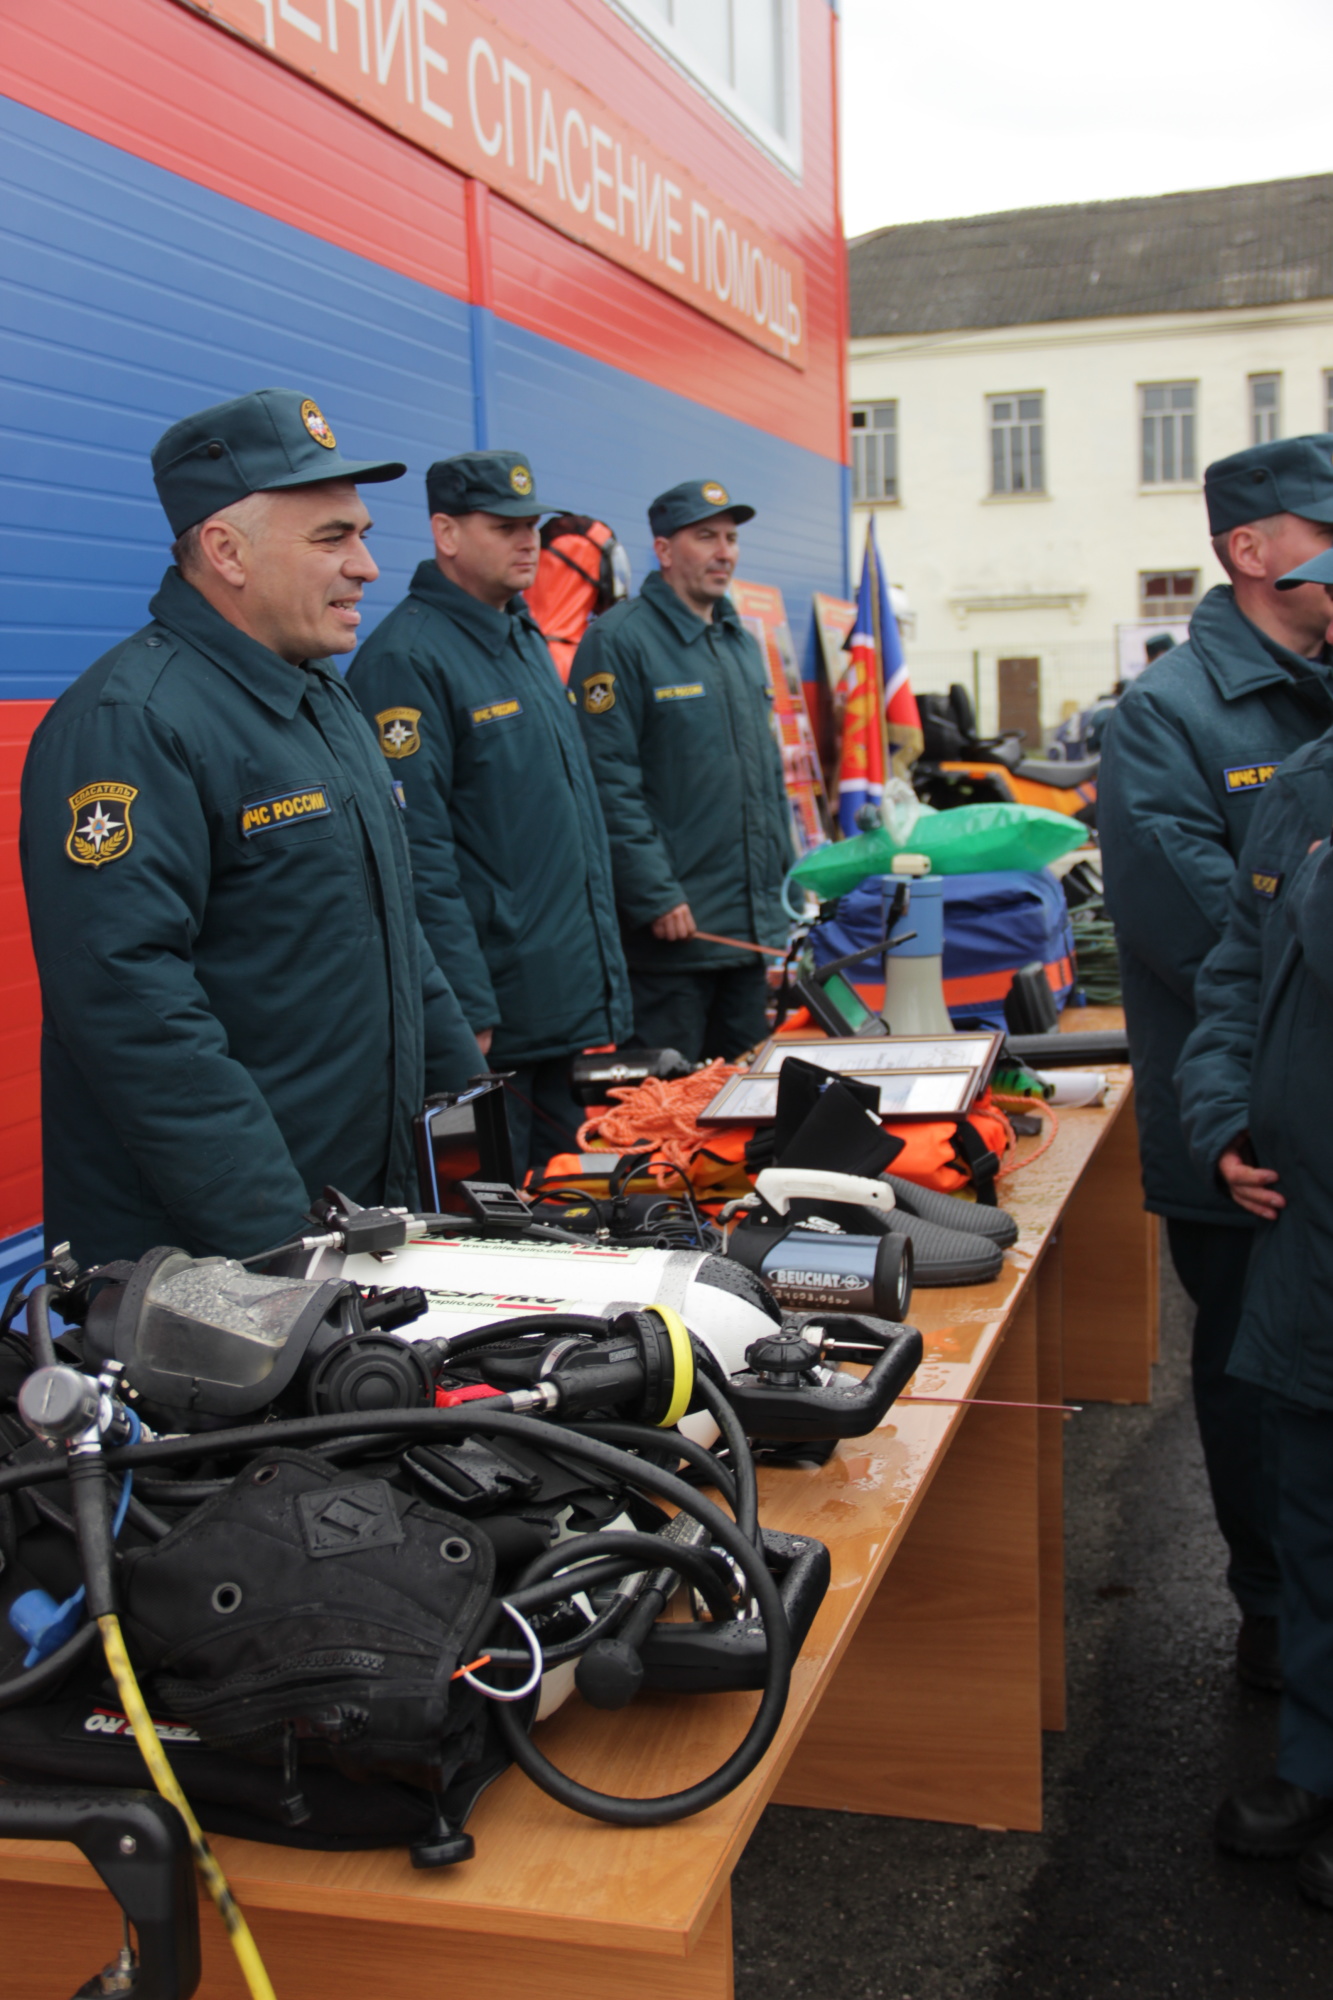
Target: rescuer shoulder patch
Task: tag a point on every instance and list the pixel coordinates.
(1247, 777)
(1264, 883)
(277, 809)
(99, 829)
(399, 731)
(599, 693)
(498, 711)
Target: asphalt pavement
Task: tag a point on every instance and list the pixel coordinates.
(1122, 1894)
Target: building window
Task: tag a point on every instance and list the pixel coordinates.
(1017, 452)
(1168, 596)
(1265, 408)
(1167, 431)
(742, 52)
(875, 451)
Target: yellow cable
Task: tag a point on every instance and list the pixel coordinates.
(682, 1354)
(155, 1757)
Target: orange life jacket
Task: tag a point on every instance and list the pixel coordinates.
(948, 1154)
(581, 572)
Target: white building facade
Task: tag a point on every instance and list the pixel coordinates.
(1037, 484)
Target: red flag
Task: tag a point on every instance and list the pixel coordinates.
(864, 758)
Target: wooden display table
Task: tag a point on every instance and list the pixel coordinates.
(932, 1668)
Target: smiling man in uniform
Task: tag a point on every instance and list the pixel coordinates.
(675, 705)
(509, 851)
(238, 1003)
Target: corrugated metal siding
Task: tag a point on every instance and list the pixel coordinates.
(147, 76)
(560, 289)
(20, 1001)
(133, 296)
(604, 443)
(152, 78)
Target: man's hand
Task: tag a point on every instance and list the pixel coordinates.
(1252, 1188)
(676, 925)
(484, 1040)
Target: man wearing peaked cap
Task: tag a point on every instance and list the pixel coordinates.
(675, 704)
(509, 852)
(238, 1004)
(1256, 1103)
(1189, 751)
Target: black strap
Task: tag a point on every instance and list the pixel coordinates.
(569, 562)
(982, 1164)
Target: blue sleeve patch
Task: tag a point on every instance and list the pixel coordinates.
(1247, 777)
(276, 809)
(1265, 883)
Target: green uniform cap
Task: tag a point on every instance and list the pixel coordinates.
(1319, 569)
(485, 482)
(1289, 476)
(694, 500)
(259, 443)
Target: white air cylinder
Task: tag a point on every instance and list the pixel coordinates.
(472, 1281)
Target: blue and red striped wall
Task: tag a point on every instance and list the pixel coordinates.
(182, 220)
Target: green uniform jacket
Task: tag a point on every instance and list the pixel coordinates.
(1189, 749)
(1259, 1060)
(676, 717)
(238, 1003)
(509, 848)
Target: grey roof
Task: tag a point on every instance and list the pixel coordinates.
(1270, 243)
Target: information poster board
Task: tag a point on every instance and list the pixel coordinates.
(765, 616)
(1130, 641)
(834, 618)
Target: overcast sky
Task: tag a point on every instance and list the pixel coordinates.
(956, 107)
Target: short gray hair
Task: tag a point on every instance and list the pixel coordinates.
(249, 515)
(1267, 527)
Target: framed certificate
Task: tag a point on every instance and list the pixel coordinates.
(917, 1076)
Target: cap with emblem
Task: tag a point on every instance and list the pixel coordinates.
(261, 443)
(1288, 476)
(694, 500)
(485, 482)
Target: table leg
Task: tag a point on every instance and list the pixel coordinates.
(935, 1709)
(1049, 1281)
(1110, 1286)
(54, 1938)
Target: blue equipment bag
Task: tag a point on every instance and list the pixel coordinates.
(993, 923)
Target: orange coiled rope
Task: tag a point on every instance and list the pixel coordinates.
(1012, 1162)
(661, 1115)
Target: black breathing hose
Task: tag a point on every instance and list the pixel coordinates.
(630, 1471)
(742, 1459)
(626, 1552)
(501, 1331)
(39, 1327)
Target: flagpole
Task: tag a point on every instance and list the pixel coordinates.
(877, 626)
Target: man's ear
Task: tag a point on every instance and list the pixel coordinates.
(662, 550)
(1248, 551)
(444, 530)
(223, 550)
